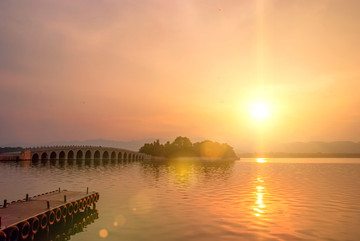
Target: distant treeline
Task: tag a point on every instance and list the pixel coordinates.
(183, 147)
(10, 149)
(300, 155)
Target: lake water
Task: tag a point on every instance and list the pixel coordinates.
(273, 199)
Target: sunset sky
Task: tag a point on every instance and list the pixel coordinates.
(129, 70)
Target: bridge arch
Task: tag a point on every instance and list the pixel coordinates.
(105, 156)
(53, 156)
(79, 155)
(113, 156)
(35, 157)
(62, 156)
(70, 155)
(97, 155)
(88, 155)
(44, 156)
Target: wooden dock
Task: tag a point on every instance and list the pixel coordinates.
(23, 218)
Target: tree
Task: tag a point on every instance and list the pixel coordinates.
(183, 147)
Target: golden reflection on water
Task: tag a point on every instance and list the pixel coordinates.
(183, 173)
(261, 160)
(213, 200)
(260, 206)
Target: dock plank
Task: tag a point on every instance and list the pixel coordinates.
(18, 211)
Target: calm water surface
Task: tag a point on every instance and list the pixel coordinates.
(312, 199)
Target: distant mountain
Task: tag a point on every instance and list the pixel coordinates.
(129, 145)
(323, 147)
(310, 147)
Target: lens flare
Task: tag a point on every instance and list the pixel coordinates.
(103, 233)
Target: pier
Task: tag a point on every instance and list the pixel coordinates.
(24, 218)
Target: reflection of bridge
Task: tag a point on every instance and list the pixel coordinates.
(80, 153)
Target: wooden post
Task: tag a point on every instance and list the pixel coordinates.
(27, 197)
(64, 198)
(5, 202)
(87, 190)
(48, 204)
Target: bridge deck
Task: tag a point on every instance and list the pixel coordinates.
(19, 211)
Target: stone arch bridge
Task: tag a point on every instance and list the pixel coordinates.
(81, 153)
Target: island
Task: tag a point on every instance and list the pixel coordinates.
(183, 147)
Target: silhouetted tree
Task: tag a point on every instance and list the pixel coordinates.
(182, 146)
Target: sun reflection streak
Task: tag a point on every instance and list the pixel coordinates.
(260, 206)
(261, 160)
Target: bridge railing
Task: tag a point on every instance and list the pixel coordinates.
(59, 147)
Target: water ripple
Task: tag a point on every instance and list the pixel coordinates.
(195, 200)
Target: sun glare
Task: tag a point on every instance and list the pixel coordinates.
(259, 110)
(261, 160)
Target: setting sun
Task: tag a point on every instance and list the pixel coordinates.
(259, 110)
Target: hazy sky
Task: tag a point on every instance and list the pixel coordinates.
(128, 69)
